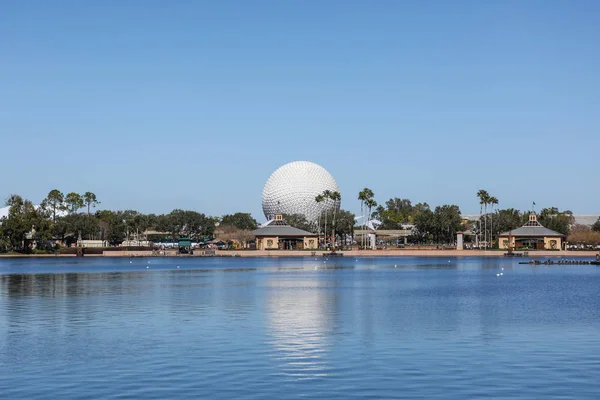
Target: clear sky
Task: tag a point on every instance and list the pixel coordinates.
(155, 105)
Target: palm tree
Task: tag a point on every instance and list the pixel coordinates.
(336, 197)
(364, 195)
(326, 195)
(483, 201)
(319, 199)
(493, 201)
(486, 202)
(370, 203)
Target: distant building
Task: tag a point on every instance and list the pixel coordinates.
(278, 235)
(92, 243)
(532, 235)
(580, 219)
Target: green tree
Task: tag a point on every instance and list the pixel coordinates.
(60, 229)
(55, 201)
(198, 225)
(243, 221)
(396, 212)
(139, 224)
(189, 224)
(73, 202)
(424, 223)
(23, 223)
(116, 231)
(492, 201)
(596, 226)
(43, 228)
(112, 225)
(298, 221)
(440, 225)
(507, 220)
(419, 208)
(447, 221)
(151, 220)
(15, 227)
(165, 223)
(75, 224)
(559, 221)
(345, 225)
(90, 200)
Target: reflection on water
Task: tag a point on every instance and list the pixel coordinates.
(288, 328)
(300, 317)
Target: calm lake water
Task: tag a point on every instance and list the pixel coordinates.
(297, 328)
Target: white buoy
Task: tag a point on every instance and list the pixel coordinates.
(178, 267)
(147, 267)
(501, 273)
(502, 268)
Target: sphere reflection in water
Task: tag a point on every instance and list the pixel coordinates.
(297, 316)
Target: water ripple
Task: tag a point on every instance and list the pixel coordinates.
(278, 328)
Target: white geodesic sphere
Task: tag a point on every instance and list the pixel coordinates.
(292, 189)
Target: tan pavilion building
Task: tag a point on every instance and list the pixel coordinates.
(532, 235)
(278, 235)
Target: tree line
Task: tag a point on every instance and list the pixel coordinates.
(69, 217)
(427, 226)
(60, 217)
(441, 224)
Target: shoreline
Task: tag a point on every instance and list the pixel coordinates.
(407, 253)
(320, 253)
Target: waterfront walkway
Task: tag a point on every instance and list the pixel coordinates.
(405, 253)
(319, 253)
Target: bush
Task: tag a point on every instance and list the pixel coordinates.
(129, 248)
(41, 251)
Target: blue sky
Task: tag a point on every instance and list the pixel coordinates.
(155, 105)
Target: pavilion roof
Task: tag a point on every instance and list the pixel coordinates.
(532, 228)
